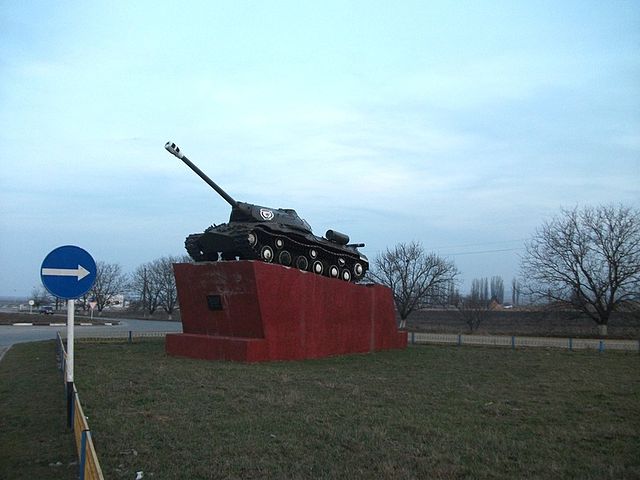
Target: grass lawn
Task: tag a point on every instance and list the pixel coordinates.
(34, 441)
(426, 412)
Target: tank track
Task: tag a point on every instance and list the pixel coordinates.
(288, 250)
(295, 251)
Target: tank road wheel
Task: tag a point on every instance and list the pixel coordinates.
(252, 239)
(302, 263)
(333, 271)
(197, 255)
(279, 242)
(318, 268)
(346, 275)
(313, 253)
(193, 248)
(266, 253)
(284, 257)
(358, 271)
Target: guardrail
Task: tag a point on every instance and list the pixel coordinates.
(527, 342)
(89, 466)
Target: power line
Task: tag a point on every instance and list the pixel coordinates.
(479, 244)
(481, 252)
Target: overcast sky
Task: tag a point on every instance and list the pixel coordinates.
(463, 125)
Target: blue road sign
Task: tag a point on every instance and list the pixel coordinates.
(68, 272)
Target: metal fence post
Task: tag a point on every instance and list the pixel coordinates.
(459, 339)
(72, 408)
(413, 338)
(513, 342)
(570, 344)
(130, 335)
(601, 346)
(58, 355)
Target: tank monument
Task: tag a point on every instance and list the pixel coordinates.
(263, 287)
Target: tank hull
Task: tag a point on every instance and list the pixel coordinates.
(277, 243)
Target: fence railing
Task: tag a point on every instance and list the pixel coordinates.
(519, 342)
(89, 466)
(510, 341)
(117, 336)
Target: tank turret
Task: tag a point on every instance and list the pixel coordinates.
(273, 235)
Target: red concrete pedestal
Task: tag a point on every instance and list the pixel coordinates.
(254, 311)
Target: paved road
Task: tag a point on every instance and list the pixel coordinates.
(10, 334)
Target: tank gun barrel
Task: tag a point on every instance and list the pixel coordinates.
(173, 149)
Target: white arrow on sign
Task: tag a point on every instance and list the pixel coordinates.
(79, 272)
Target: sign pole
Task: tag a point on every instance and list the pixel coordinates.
(69, 272)
(70, 325)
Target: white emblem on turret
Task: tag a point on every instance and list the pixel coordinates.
(266, 214)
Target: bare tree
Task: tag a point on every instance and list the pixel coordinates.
(475, 307)
(144, 288)
(480, 289)
(110, 281)
(40, 296)
(515, 292)
(587, 259)
(473, 311)
(165, 282)
(153, 285)
(485, 289)
(497, 289)
(416, 278)
(453, 294)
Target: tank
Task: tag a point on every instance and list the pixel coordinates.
(273, 235)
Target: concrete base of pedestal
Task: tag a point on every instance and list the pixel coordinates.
(254, 311)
